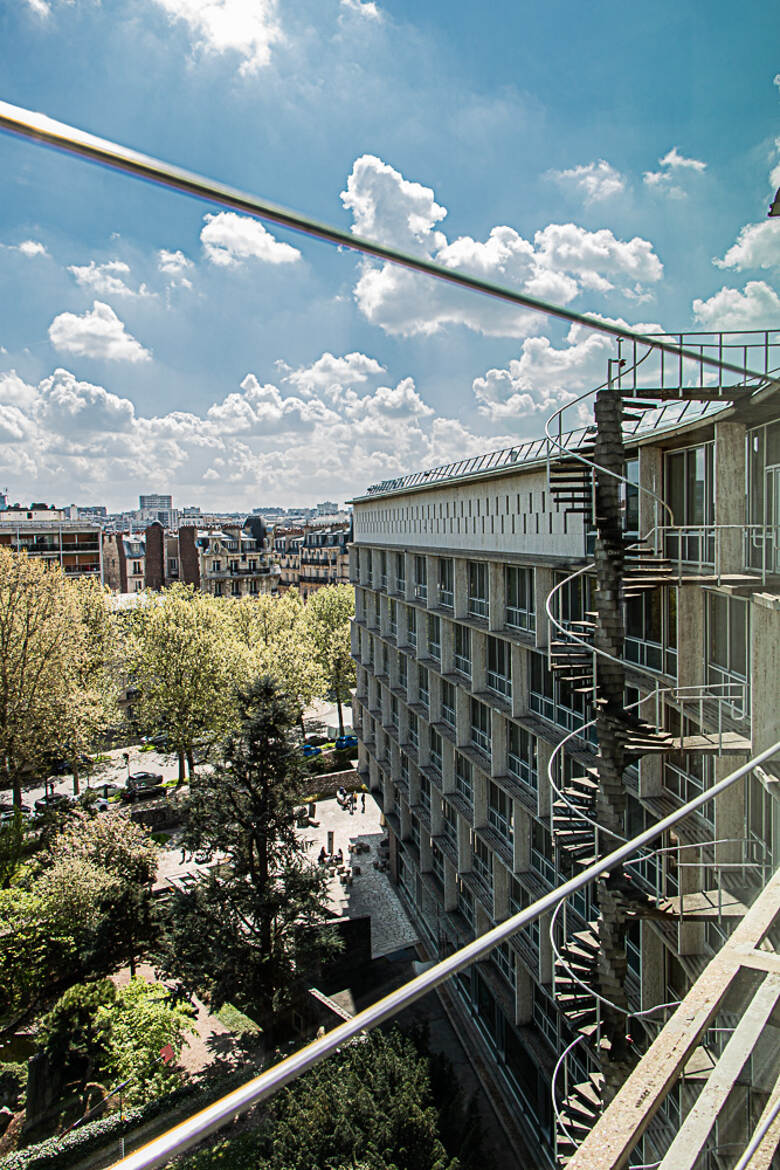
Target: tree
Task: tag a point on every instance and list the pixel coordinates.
(185, 662)
(134, 1029)
(328, 615)
(70, 1034)
(38, 617)
(370, 1106)
(276, 635)
(252, 933)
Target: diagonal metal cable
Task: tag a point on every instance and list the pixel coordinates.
(40, 128)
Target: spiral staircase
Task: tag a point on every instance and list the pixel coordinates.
(590, 964)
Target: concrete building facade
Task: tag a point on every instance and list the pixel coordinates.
(477, 718)
(48, 533)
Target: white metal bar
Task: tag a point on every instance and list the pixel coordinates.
(194, 1129)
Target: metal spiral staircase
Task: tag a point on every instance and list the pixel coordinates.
(590, 964)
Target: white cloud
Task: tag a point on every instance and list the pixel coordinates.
(98, 333)
(672, 163)
(366, 8)
(776, 80)
(173, 263)
(756, 307)
(40, 7)
(67, 437)
(757, 246)
(246, 27)
(31, 248)
(104, 279)
(229, 238)
(595, 181)
(562, 260)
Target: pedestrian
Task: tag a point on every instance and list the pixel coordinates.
(183, 857)
(362, 802)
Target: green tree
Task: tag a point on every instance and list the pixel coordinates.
(134, 1029)
(276, 635)
(70, 1033)
(329, 612)
(38, 617)
(253, 932)
(369, 1106)
(185, 661)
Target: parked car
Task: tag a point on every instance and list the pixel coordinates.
(52, 801)
(143, 786)
(309, 750)
(7, 812)
(346, 741)
(160, 740)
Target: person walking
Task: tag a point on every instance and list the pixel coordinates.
(362, 802)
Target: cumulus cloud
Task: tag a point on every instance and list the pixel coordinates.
(97, 333)
(366, 8)
(665, 179)
(249, 29)
(229, 238)
(757, 246)
(561, 260)
(106, 279)
(258, 437)
(31, 248)
(594, 181)
(755, 307)
(173, 263)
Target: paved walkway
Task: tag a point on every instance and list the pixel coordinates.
(371, 891)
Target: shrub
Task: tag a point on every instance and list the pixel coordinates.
(13, 1084)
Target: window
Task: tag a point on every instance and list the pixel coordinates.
(434, 748)
(555, 700)
(425, 794)
(400, 573)
(500, 813)
(137, 570)
(504, 960)
(235, 588)
(216, 566)
(369, 573)
(466, 905)
(394, 711)
(420, 579)
(727, 647)
(499, 670)
(545, 1016)
(463, 650)
(478, 589)
(414, 826)
(519, 899)
(437, 863)
(520, 608)
(412, 730)
(446, 582)
(542, 853)
(173, 566)
(252, 565)
(448, 703)
(383, 569)
(402, 671)
(449, 823)
(521, 756)
(233, 566)
(411, 627)
(480, 726)
(392, 618)
(434, 637)
(464, 783)
(651, 630)
(763, 535)
(423, 694)
(690, 494)
(630, 497)
(217, 588)
(482, 861)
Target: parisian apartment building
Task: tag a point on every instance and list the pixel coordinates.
(466, 690)
(55, 535)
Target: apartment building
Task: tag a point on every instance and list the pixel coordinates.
(287, 554)
(324, 557)
(488, 730)
(50, 533)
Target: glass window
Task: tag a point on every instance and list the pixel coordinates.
(690, 494)
(434, 748)
(463, 649)
(412, 729)
(478, 589)
(500, 812)
(411, 627)
(420, 579)
(448, 703)
(449, 823)
(521, 757)
(446, 582)
(482, 861)
(403, 668)
(434, 637)
(480, 725)
(423, 695)
(499, 671)
(392, 617)
(520, 608)
(400, 573)
(383, 569)
(463, 778)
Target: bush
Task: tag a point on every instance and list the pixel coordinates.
(13, 1084)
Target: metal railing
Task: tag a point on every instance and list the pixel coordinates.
(194, 1129)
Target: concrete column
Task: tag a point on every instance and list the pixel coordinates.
(653, 969)
(730, 502)
(522, 847)
(461, 587)
(406, 819)
(498, 739)
(450, 887)
(543, 584)
(545, 793)
(500, 890)
(462, 717)
(434, 689)
(447, 646)
(409, 575)
(436, 814)
(545, 950)
(690, 636)
(447, 766)
(519, 660)
(651, 776)
(426, 856)
(651, 468)
(496, 595)
(765, 669)
(432, 576)
(729, 809)
(524, 997)
(464, 846)
(478, 660)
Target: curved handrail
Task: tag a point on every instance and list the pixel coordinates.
(554, 1089)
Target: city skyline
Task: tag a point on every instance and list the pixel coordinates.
(150, 338)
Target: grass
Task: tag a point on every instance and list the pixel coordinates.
(161, 838)
(236, 1021)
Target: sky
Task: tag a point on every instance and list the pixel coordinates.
(618, 159)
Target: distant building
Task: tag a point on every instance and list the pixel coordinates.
(324, 559)
(159, 508)
(48, 533)
(287, 554)
(326, 508)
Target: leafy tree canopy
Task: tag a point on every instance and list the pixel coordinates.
(328, 615)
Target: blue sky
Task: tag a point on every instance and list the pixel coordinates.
(616, 158)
